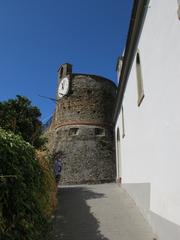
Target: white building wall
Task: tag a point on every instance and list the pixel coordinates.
(150, 151)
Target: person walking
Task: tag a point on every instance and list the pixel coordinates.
(57, 168)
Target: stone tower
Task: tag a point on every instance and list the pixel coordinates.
(82, 127)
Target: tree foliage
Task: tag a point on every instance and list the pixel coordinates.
(21, 181)
(19, 116)
(26, 184)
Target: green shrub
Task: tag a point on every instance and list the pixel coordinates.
(49, 200)
(23, 193)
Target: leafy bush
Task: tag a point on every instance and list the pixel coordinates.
(24, 198)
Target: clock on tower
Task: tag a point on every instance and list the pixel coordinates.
(64, 74)
(63, 87)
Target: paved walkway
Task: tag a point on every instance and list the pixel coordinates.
(98, 212)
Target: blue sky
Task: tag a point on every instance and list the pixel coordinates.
(37, 36)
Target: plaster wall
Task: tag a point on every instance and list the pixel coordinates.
(150, 151)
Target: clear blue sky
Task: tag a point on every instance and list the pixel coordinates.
(36, 36)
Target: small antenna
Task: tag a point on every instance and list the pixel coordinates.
(52, 99)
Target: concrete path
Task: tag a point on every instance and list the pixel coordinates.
(98, 212)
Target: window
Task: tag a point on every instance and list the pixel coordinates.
(99, 131)
(73, 131)
(178, 11)
(140, 89)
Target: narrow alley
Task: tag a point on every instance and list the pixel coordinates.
(98, 212)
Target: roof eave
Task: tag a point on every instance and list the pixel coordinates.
(135, 28)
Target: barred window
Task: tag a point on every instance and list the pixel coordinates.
(73, 131)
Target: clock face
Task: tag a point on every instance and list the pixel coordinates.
(63, 87)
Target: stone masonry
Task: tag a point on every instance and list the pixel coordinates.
(82, 130)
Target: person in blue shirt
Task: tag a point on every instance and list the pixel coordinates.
(57, 167)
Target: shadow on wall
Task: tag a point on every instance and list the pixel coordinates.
(141, 193)
(73, 220)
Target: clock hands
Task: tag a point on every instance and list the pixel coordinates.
(63, 85)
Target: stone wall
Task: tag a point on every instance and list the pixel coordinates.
(91, 99)
(88, 154)
(82, 130)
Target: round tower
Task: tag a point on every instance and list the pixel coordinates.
(83, 127)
